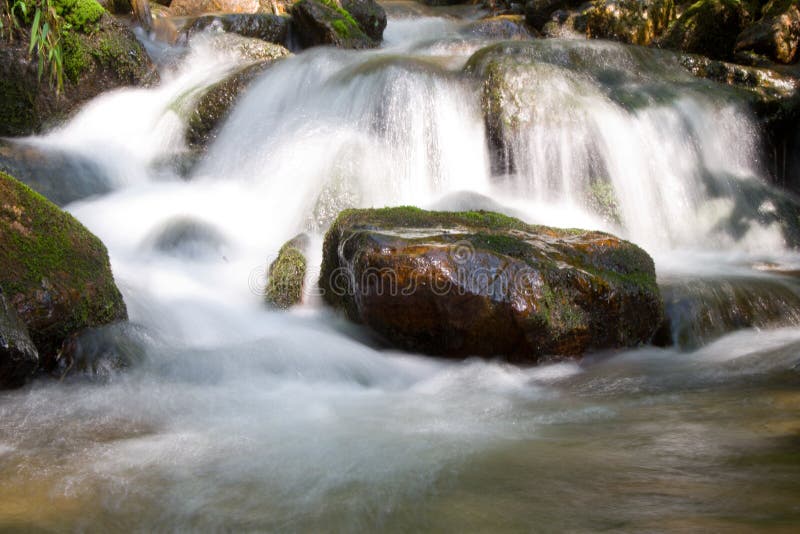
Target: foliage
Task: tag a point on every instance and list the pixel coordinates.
(46, 23)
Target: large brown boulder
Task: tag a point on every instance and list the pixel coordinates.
(99, 56)
(55, 273)
(480, 283)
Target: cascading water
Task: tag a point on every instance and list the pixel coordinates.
(241, 417)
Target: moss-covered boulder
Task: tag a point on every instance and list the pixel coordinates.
(19, 358)
(326, 22)
(266, 27)
(56, 274)
(479, 283)
(216, 103)
(630, 21)
(776, 34)
(708, 28)
(99, 54)
(369, 14)
(286, 275)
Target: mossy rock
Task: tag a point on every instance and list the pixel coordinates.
(370, 16)
(286, 275)
(82, 16)
(104, 56)
(776, 35)
(56, 274)
(481, 283)
(637, 22)
(708, 28)
(326, 22)
(213, 107)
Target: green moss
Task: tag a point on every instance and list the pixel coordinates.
(43, 248)
(80, 15)
(341, 11)
(76, 56)
(285, 278)
(116, 52)
(17, 109)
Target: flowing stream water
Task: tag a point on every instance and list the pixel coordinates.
(242, 418)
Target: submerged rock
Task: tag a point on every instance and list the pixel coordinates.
(60, 176)
(480, 283)
(286, 275)
(326, 22)
(187, 237)
(18, 356)
(99, 353)
(505, 27)
(55, 273)
(776, 35)
(215, 104)
(700, 310)
(100, 54)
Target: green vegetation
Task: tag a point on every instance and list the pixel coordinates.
(51, 261)
(286, 276)
(49, 27)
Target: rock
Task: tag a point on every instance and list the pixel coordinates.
(505, 27)
(699, 310)
(539, 12)
(776, 35)
(325, 22)
(774, 99)
(708, 28)
(248, 48)
(479, 283)
(18, 356)
(101, 352)
(186, 237)
(286, 275)
(60, 176)
(55, 273)
(106, 58)
(513, 76)
(216, 103)
(630, 21)
(270, 28)
(369, 14)
(189, 8)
